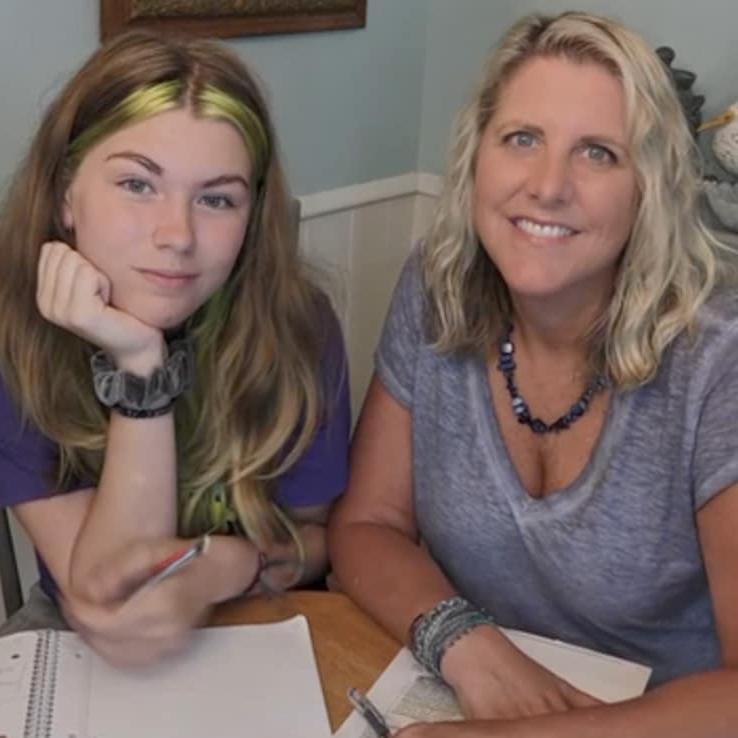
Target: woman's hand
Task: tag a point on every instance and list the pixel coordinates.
(493, 679)
(447, 730)
(75, 295)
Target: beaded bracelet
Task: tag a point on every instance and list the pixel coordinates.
(433, 633)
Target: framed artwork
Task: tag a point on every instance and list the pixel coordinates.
(228, 18)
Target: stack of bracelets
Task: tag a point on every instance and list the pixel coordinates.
(434, 632)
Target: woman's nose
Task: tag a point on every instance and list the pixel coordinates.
(550, 178)
(174, 228)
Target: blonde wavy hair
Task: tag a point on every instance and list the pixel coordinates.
(261, 338)
(671, 263)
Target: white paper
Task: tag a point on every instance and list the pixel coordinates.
(234, 681)
(405, 693)
(230, 682)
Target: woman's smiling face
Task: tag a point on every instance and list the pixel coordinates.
(555, 190)
(161, 208)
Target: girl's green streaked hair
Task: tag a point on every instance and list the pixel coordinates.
(208, 102)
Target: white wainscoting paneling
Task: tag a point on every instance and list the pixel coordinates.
(360, 237)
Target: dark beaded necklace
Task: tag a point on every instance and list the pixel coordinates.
(520, 407)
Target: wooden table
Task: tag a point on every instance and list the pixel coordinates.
(350, 648)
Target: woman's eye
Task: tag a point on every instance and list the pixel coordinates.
(521, 139)
(136, 186)
(217, 202)
(600, 154)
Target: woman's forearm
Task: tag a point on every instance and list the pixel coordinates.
(699, 706)
(386, 573)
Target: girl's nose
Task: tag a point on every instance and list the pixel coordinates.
(173, 228)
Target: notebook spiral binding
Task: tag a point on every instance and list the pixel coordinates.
(40, 710)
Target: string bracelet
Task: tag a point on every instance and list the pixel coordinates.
(256, 578)
(434, 632)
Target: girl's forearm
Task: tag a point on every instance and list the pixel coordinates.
(136, 495)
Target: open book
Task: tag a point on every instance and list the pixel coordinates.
(231, 681)
(405, 693)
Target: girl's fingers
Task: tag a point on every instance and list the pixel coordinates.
(71, 292)
(65, 284)
(51, 257)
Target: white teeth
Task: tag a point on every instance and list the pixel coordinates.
(543, 231)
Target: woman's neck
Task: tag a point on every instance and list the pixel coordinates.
(556, 328)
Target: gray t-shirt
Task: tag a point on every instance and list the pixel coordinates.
(613, 561)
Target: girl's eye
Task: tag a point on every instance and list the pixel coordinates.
(600, 154)
(217, 202)
(521, 139)
(136, 186)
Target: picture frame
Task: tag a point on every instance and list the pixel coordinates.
(231, 18)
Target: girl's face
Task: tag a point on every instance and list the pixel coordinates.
(161, 208)
(555, 190)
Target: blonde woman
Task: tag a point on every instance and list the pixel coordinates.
(554, 408)
(168, 369)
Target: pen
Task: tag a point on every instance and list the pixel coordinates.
(178, 560)
(368, 710)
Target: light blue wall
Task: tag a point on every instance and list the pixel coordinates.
(459, 36)
(353, 106)
(704, 35)
(41, 42)
(347, 103)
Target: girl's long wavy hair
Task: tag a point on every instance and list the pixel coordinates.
(259, 395)
(671, 263)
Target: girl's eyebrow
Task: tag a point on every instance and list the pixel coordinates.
(226, 179)
(144, 161)
(154, 168)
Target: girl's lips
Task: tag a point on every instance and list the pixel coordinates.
(170, 280)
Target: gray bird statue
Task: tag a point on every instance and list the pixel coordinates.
(722, 194)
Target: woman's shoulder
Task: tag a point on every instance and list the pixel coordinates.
(712, 344)
(717, 320)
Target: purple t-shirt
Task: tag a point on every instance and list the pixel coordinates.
(28, 459)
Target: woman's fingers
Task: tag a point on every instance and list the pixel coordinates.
(576, 698)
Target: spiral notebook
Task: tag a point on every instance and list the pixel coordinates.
(231, 681)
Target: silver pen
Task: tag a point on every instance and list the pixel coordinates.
(172, 564)
(368, 710)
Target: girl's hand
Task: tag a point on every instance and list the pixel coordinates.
(73, 294)
(129, 624)
(494, 680)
